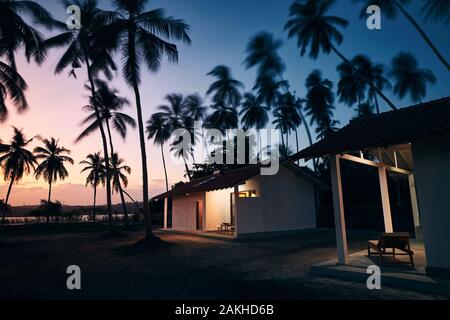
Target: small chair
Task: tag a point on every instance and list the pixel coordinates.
(396, 240)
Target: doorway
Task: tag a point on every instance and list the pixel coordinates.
(199, 215)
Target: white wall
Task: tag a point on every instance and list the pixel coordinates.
(184, 211)
(432, 172)
(218, 207)
(285, 202)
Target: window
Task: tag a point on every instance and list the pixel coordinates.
(248, 194)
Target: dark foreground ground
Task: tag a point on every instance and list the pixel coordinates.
(33, 266)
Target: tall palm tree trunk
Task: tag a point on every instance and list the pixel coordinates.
(188, 172)
(282, 139)
(105, 145)
(164, 165)
(49, 199)
(95, 202)
(146, 206)
(116, 176)
(423, 34)
(377, 105)
(7, 199)
(370, 83)
(308, 133)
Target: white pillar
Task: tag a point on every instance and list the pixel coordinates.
(166, 209)
(236, 198)
(338, 205)
(414, 204)
(385, 200)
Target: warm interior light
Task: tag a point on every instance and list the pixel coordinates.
(248, 194)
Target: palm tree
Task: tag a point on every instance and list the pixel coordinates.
(145, 36)
(319, 32)
(374, 72)
(52, 166)
(391, 8)
(326, 127)
(225, 90)
(95, 167)
(254, 114)
(222, 118)
(437, 10)
(351, 87)
(120, 181)
(17, 34)
(364, 109)
(178, 114)
(12, 87)
(160, 131)
(16, 161)
(320, 98)
(292, 107)
(262, 52)
(109, 103)
(195, 110)
(409, 78)
(91, 45)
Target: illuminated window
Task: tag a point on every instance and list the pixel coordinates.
(248, 194)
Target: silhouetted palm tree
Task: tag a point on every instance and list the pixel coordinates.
(225, 90)
(282, 123)
(262, 52)
(317, 32)
(293, 108)
(326, 127)
(120, 181)
(176, 114)
(109, 104)
(320, 99)
(254, 114)
(93, 46)
(145, 37)
(391, 8)
(222, 118)
(16, 34)
(408, 78)
(160, 131)
(12, 87)
(364, 109)
(52, 168)
(351, 86)
(95, 167)
(437, 10)
(374, 72)
(16, 161)
(197, 111)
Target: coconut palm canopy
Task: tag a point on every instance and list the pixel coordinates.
(176, 45)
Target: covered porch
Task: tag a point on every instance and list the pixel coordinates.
(396, 159)
(414, 142)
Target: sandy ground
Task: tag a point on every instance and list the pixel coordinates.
(187, 267)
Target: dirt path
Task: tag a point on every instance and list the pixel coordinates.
(33, 267)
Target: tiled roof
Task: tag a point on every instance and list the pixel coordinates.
(386, 129)
(231, 178)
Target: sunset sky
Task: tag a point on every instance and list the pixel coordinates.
(220, 31)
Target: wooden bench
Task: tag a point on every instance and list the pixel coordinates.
(393, 241)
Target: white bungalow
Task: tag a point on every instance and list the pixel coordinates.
(413, 141)
(243, 201)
